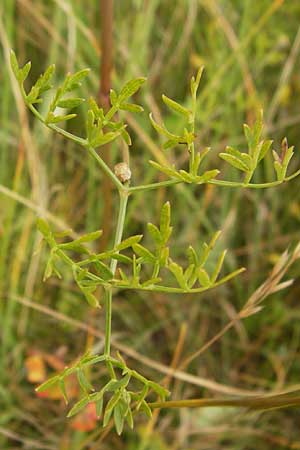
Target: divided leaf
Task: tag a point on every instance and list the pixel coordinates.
(130, 88)
(174, 106)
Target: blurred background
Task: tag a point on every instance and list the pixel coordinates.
(251, 54)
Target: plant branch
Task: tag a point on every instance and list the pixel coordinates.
(106, 20)
(105, 168)
(167, 183)
(262, 403)
(113, 267)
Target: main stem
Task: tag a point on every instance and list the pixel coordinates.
(113, 266)
(106, 18)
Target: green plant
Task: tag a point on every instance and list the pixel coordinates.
(129, 265)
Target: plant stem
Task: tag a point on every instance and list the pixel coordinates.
(113, 266)
(253, 403)
(106, 168)
(234, 184)
(53, 127)
(106, 21)
(108, 315)
(120, 224)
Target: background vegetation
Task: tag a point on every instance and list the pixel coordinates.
(251, 58)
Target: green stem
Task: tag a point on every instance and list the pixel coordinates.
(179, 290)
(53, 127)
(148, 187)
(253, 403)
(105, 168)
(113, 267)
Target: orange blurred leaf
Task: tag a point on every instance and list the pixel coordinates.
(36, 370)
(86, 420)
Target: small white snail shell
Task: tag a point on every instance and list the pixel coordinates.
(122, 172)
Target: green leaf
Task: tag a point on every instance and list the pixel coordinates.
(74, 81)
(214, 239)
(123, 277)
(89, 237)
(103, 270)
(23, 73)
(74, 246)
(253, 135)
(258, 126)
(244, 157)
(62, 387)
(147, 410)
(83, 381)
(119, 418)
(196, 164)
(110, 406)
(265, 147)
(232, 275)
(121, 258)
(174, 106)
(170, 171)
(79, 406)
(14, 64)
(131, 107)
(98, 112)
(130, 88)
(32, 97)
(218, 266)
(99, 407)
(43, 227)
(177, 271)
(70, 103)
(143, 253)
(207, 176)
(92, 359)
(126, 136)
(129, 418)
(192, 256)
(186, 177)
(165, 217)
(235, 162)
(52, 118)
(286, 159)
(189, 273)
(155, 233)
(278, 167)
(48, 384)
(103, 139)
(115, 385)
(129, 242)
(163, 131)
(195, 82)
(140, 397)
(203, 277)
(170, 144)
(160, 390)
(164, 256)
(249, 138)
(113, 97)
(43, 83)
(91, 299)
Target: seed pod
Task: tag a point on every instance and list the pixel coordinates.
(122, 172)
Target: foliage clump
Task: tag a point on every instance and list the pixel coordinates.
(129, 264)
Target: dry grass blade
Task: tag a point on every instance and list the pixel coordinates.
(272, 284)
